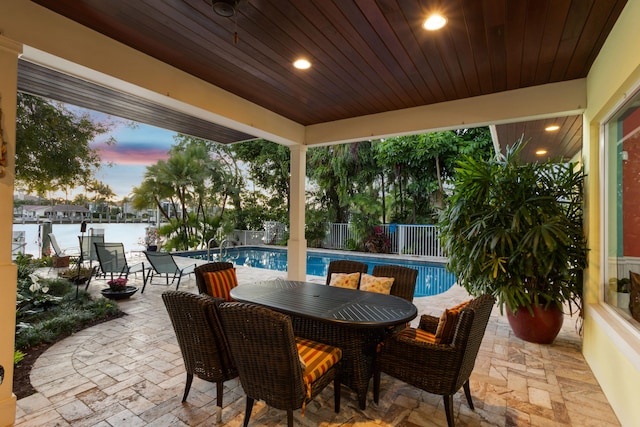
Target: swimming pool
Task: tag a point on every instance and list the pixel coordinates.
(432, 279)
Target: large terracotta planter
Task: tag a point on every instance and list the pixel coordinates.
(541, 328)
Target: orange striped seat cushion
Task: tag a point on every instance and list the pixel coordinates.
(317, 358)
(418, 335)
(220, 283)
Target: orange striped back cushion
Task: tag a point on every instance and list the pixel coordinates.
(220, 283)
(317, 357)
(447, 323)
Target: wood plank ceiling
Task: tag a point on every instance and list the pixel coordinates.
(367, 56)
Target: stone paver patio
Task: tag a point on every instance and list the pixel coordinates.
(129, 372)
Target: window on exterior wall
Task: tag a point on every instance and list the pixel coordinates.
(622, 210)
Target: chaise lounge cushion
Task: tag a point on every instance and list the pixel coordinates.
(220, 283)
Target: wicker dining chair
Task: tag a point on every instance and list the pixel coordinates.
(345, 266)
(202, 342)
(209, 267)
(436, 368)
(404, 283)
(270, 359)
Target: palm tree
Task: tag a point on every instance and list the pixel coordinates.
(196, 188)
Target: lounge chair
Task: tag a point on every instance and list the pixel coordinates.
(88, 248)
(163, 263)
(61, 253)
(113, 261)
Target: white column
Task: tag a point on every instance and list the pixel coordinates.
(9, 51)
(297, 245)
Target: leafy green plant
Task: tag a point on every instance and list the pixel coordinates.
(33, 296)
(514, 230)
(49, 309)
(69, 316)
(59, 287)
(315, 227)
(352, 244)
(77, 275)
(18, 356)
(26, 265)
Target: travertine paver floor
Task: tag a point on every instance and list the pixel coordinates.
(129, 372)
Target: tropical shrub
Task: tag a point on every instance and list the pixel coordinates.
(49, 309)
(515, 230)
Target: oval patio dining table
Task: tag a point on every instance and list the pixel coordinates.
(354, 320)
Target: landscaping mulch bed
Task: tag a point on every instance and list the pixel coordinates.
(21, 372)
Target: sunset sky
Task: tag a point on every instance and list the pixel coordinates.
(136, 148)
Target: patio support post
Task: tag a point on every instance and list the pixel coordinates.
(297, 245)
(9, 51)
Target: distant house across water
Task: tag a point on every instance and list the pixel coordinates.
(30, 212)
(71, 212)
(57, 212)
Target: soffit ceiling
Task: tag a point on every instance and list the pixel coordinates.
(368, 56)
(48, 83)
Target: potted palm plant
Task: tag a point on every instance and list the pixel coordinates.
(515, 230)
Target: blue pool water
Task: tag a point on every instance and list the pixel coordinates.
(432, 279)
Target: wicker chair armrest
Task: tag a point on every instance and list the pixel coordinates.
(421, 356)
(428, 323)
(407, 342)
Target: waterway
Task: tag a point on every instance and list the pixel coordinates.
(129, 234)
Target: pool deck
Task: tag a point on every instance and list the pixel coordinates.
(129, 372)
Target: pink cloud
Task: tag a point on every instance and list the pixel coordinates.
(124, 155)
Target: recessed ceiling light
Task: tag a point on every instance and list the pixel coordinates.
(541, 152)
(302, 64)
(552, 128)
(434, 22)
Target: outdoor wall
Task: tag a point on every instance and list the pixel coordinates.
(611, 346)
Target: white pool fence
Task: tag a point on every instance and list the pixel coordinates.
(405, 239)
